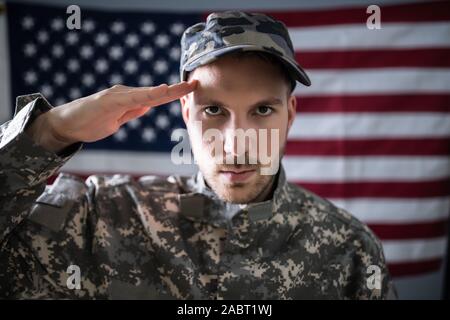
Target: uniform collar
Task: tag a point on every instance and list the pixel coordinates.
(202, 203)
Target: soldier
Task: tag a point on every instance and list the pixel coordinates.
(228, 232)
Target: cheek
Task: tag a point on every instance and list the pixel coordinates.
(276, 133)
(204, 139)
(195, 136)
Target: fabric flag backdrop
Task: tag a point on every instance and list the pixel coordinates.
(372, 133)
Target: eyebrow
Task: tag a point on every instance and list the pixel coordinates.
(269, 101)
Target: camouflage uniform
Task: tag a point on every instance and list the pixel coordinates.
(158, 238)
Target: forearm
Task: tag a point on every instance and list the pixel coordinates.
(25, 166)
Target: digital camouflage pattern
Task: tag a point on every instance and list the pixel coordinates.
(156, 238)
(230, 31)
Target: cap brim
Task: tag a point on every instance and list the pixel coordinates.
(296, 70)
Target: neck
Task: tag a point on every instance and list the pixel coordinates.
(267, 192)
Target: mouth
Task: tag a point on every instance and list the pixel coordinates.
(235, 175)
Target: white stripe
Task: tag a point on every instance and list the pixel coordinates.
(370, 125)
(126, 162)
(358, 36)
(414, 250)
(385, 210)
(297, 168)
(342, 169)
(376, 81)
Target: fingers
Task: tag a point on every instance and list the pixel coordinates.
(174, 92)
(152, 96)
(132, 114)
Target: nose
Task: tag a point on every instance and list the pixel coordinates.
(238, 137)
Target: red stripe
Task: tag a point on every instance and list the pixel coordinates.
(384, 189)
(414, 268)
(374, 103)
(412, 12)
(436, 57)
(396, 231)
(368, 147)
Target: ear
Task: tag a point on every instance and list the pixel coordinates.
(292, 110)
(184, 109)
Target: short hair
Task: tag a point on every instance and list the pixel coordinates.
(269, 58)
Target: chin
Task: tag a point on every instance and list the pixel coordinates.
(235, 198)
(241, 193)
(236, 192)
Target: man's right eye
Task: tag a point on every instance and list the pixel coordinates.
(213, 110)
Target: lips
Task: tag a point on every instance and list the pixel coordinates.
(234, 175)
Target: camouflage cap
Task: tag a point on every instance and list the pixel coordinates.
(230, 31)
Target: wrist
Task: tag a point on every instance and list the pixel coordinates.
(44, 134)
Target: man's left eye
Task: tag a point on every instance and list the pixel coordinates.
(264, 110)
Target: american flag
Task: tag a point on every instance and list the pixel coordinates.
(372, 133)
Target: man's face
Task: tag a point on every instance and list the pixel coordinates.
(238, 94)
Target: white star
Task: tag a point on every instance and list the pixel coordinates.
(175, 53)
(60, 101)
(174, 78)
(101, 65)
(133, 124)
(74, 93)
(132, 40)
(162, 121)
(116, 52)
(146, 53)
(59, 78)
(42, 36)
(148, 134)
(45, 63)
(117, 27)
(121, 135)
(30, 77)
(115, 79)
(72, 38)
(88, 25)
(86, 51)
(148, 27)
(102, 39)
(160, 66)
(29, 49)
(162, 40)
(57, 50)
(88, 79)
(27, 22)
(57, 24)
(177, 28)
(175, 108)
(145, 80)
(46, 90)
(73, 65)
(131, 66)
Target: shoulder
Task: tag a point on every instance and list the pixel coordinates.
(74, 190)
(333, 224)
(70, 194)
(341, 244)
(147, 183)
